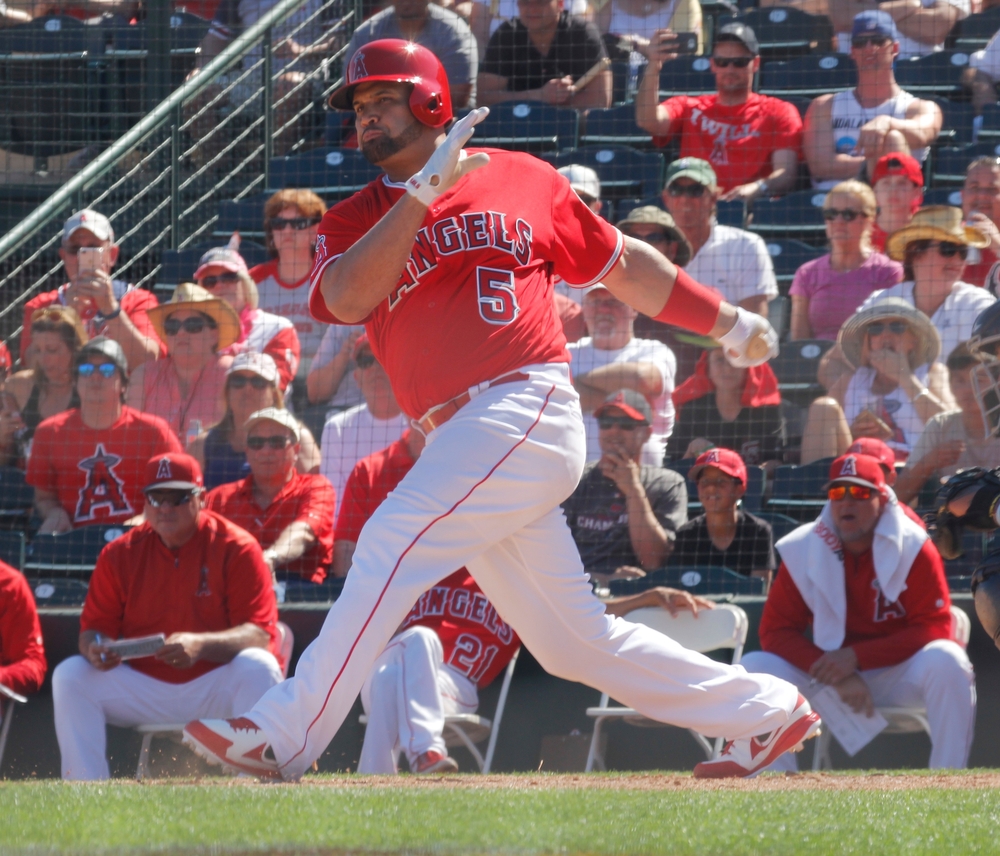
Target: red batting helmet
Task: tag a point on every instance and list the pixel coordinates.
(400, 61)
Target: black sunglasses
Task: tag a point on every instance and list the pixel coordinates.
(194, 324)
(946, 249)
(277, 224)
(877, 328)
(606, 423)
(864, 41)
(848, 215)
(106, 370)
(212, 281)
(159, 498)
(365, 360)
(738, 61)
(692, 191)
(237, 381)
(275, 441)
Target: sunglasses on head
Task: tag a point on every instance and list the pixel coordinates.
(606, 423)
(848, 215)
(856, 491)
(865, 41)
(365, 360)
(277, 224)
(107, 370)
(275, 441)
(159, 498)
(212, 281)
(195, 324)
(738, 61)
(877, 328)
(237, 381)
(692, 191)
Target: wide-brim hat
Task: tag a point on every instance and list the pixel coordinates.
(852, 334)
(935, 223)
(187, 295)
(651, 215)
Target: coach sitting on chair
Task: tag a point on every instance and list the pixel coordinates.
(196, 578)
(871, 586)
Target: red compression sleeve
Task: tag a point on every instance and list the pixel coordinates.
(691, 305)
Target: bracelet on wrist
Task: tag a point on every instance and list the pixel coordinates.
(112, 315)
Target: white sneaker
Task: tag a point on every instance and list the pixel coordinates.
(234, 743)
(744, 757)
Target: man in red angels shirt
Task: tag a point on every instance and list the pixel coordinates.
(198, 580)
(22, 657)
(87, 464)
(109, 307)
(752, 141)
(290, 514)
(870, 585)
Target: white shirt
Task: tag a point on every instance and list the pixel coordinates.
(945, 427)
(352, 435)
(988, 59)
(348, 394)
(894, 408)
(736, 262)
(585, 358)
(954, 318)
(291, 303)
(911, 47)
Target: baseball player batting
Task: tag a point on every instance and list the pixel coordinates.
(449, 261)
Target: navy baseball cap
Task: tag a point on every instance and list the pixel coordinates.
(874, 23)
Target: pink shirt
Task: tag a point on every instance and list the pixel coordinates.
(835, 295)
(204, 402)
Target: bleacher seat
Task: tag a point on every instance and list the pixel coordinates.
(16, 495)
(814, 74)
(788, 256)
(935, 74)
(800, 103)
(796, 367)
(989, 127)
(177, 266)
(972, 33)
(948, 163)
(727, 213)
(72, 553)
(697, 579)
(625, 173)
(956, 125)
(245, 216)
(58, 592)
(335, 173)
(528, 126)
(621, 73)
(614, 126)
(12, 547)
(687, 75)
(785, 32)
(798, 491)
(943, 196)
(797, 215)
(781, 524)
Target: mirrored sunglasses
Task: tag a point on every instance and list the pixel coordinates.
(855, 491)
(106, 370)
(159, 498)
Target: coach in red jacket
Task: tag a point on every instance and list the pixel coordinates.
(22, 657)
(870, 585)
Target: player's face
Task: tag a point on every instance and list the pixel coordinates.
(653, 235)
(98, 391)
(52, 356)
(175, 524)
(854, 519)
(267, 462)
(896, 193)
(731, 78)
(607, 318)
(718, 491)
(981, 192)
(383, 120)
(621, 434)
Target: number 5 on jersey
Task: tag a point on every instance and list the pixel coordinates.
(497, 301)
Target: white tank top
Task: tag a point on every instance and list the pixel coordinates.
(895, 409)
(625, 24)
(848, 116)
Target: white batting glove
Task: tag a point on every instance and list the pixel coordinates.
(449, 162)
(751, 342)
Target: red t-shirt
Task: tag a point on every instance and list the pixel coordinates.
(737, 140)
(214, 582)
(98, 474)
(306, 497)
(881, 633)
(475, 300)
(22, 655)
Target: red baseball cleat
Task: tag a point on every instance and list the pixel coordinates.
(235, 743)
(742, 758)
(434, 762)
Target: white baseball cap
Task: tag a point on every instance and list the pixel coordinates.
(93, 221)
(582, 179)
(260, 364)
(279, 415)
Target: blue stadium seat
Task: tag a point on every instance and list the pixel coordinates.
(625, 173)
(614, 126)
(697, 579)
(245, 216)
(687, 75)
(621, 73)
(935, 74)
(787, 256)
(814, 74)
(796, 367)
(989, 128)
(972, 33)
(943, 196)
(781, 524)
(72, 553)
(797, 215)
(956, 125)
(798, 491)
(16, 495)
(948, 164)
(335, 173)
(784, 32)
(528, 126)
(12, 547)
(58, 592)
(177, 266)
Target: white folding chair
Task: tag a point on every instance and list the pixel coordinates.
(8, 699)
(725, 626)
(902, 720)
(468, 729)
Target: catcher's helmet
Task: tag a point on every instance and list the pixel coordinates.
(400, 61)
(984, 344)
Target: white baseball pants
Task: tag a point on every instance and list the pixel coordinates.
(938, 677)
(407, 695)
(485, 494)
(85, 700)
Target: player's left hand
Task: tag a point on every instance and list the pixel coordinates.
(834, 666)
(181, 650)
(751, 341)
(449, 162)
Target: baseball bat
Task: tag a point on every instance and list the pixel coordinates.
(757, 347)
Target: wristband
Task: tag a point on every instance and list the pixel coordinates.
(691, 305)
(112, 315)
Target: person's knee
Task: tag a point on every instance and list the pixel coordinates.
(945, 660)
(824, 408)
(257, 666)
(71, 678)
(764, 662)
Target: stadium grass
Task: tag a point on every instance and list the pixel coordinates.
(123, 817)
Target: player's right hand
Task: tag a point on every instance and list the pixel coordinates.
(449, 163)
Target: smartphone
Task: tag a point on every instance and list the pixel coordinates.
(90, 259)
(686, 43)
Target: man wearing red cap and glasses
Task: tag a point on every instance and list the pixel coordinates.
(870, 585)
(193, 577)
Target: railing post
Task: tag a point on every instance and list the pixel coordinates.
(175, 178)
(268, 49)
(158, 57)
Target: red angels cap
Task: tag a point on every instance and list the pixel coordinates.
(857, 469)
(874, 448)
(725, 460)
(173, 471)
(896, 163)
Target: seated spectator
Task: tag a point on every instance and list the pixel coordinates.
(251, 384)
(330, 380)
(657, 228)
(896, 387)
(733, 261)
(828, 290)
(87, 464)
(291, 219)
(921, 29)
(439, 30)
(819, 628)
(725, 535)
(223, 272)
(45, 390)
(624, 514)
(610, 359)
(541, 55)
(877, 449)
(290, 514)
(642, 25)
(981, 209)
(356, 433)
(752, 141)
(898, 182)
(196, 578)
(22, 654)
(721, 405)
(487, 16)
(847, 132)
(951, 441)
(109, 307)
(185, 388)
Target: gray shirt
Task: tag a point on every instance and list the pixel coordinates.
(445, 34)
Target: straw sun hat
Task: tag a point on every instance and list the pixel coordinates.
(187, 295)
(935, 223)
(855, 330)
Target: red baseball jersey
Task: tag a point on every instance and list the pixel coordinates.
(307, 498)
(737, 140)
(475, 299)
(214, 582)
(98, 474)
(22, 655)
(882, 633)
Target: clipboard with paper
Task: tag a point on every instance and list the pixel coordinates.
(853, 730)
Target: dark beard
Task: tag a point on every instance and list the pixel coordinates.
(383, 147)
